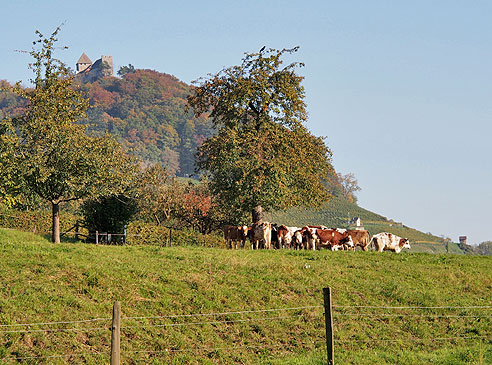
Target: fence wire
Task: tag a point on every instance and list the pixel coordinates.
(414, 339)
(407, 315)
(211, 322)
(58, 330)
(11, 328)
(51, 356)
(223, 313)
(388, 307)
(51, 323)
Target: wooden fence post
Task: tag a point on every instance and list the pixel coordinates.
(115, 334)
(328, 325)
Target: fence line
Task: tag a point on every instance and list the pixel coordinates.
(268, 310)
(52, 356)
(206, 349)
(210, 322)
(416, 339)
(224, 313)
(407, 315)
(102, 234)
(385, 307)
(58, 330)
(62, 322)
(244, 320)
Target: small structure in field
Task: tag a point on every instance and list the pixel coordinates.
(357, 223)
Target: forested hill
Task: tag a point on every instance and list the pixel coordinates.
(145, 111)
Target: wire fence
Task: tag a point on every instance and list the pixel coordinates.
(260, 315)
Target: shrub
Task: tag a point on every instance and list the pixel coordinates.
(142, 233)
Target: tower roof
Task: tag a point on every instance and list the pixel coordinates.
(84, 59)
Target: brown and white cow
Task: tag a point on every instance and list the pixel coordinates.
(389, 242)
(235, 234)
(297, 239)
(285, 235)
(260, 235)
(334, 240)
(309, 238)
(360, 238)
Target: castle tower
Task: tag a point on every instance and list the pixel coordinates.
(84, 62)
(107, 65)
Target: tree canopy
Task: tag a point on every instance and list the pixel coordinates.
(262, 157)
(51, 153)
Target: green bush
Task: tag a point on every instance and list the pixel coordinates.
(142, 233)
(108, 213)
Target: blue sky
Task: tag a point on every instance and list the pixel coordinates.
(401, 89)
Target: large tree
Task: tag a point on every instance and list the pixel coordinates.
(51, 153)
(262, 156)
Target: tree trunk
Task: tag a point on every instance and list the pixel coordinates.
(257, 214)
(55, 231)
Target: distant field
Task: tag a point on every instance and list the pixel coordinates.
(436, 248)
(43, 282)
(338, 212)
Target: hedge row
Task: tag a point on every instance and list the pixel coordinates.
(138, 232)
(35, 221)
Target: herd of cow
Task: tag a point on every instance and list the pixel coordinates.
(268, 235)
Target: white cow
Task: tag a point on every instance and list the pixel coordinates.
(260, 235)
(297, 239)
(389, 242)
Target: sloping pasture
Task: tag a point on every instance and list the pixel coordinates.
(207, 305)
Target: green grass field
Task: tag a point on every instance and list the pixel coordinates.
(42, 282)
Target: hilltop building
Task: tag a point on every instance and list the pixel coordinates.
(103, 67)
(357, 223)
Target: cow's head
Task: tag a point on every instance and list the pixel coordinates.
(404, 243)
(244, 230)
(250, 231)
(308, 233)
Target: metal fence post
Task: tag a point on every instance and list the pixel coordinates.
(328, 325)
(115, 334)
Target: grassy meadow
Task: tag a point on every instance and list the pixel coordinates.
(42, 282)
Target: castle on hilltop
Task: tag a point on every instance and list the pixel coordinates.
(90, 72)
